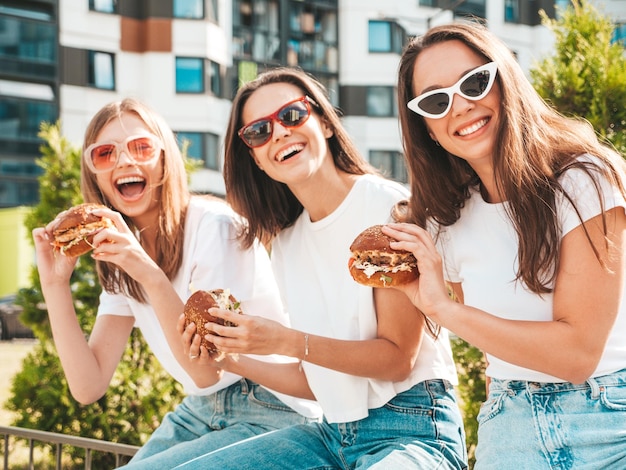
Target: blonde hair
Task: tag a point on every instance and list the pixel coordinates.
(173, 194)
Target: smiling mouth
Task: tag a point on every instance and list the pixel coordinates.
(473, 128)
(289, 152)
(131, 186)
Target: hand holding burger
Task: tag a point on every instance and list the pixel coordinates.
(74, 229)
(374, 263)
(197, 311)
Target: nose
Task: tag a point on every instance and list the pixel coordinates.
(279, 131)
(124, 158)
(460, 104)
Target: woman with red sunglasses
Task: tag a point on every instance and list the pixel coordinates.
(525, 211)
(384, 381)
(165, 245)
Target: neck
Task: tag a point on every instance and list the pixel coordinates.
(321, 196)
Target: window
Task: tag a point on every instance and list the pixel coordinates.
(511, 11)
(619, 34)
(203, 146)
(381, 101)
(385, 36)
(189, 75)
(215, 78)
(101, 70)
(391, 163)
(193, 9)
(212, 13)
(103, 6)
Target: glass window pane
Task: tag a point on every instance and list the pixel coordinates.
(101, 70)
(189, 9)
(103, 6)
(215, 78)
(193, 143)
(189, 75)
(379, 36)
(212, 152)
(380, 101)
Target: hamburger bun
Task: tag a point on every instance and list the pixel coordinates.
(75, 228)
(374, 263)
(197, 311)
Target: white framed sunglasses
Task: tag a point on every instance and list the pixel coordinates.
(104, 156)
(474, 85)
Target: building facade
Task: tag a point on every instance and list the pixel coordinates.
(64, 59)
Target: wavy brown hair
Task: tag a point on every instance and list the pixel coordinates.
(534, 146)
(172, 192)
(269, 205)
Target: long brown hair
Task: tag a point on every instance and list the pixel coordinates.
(173, 194)
(534, 146)
(269, 205)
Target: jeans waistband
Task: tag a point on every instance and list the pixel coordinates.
(593, 383)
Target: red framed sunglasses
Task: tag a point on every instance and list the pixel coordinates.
(291, 115)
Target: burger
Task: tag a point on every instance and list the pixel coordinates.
(374, 263)
(75, 228)
(197, 311)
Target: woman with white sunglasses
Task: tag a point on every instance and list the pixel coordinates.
(165, 245)
(384, 382)
(525, 221)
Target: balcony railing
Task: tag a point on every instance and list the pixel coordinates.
(58, 441)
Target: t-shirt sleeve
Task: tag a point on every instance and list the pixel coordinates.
(114, 304)
(583, 190)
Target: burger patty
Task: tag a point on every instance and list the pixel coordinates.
(386, 260)
(81, 231)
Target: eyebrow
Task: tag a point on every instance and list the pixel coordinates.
(437, 87)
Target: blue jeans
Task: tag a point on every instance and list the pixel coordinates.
(537, 426)
(204, 423)
(421, 428)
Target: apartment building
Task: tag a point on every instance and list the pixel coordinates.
(64, 59)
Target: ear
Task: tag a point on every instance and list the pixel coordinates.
(327, 130)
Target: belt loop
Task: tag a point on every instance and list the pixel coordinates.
(595, 388)
(245, 388)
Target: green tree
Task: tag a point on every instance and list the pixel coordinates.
(586, 75)
(141, 392)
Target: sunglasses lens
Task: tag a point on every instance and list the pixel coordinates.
(293, 115)
(104, 156)
(475, 85)
(257, 133)
(435, 104)
(142, 149)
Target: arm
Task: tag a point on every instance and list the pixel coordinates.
(88, 366)
(389, 356)
(123, 249)
(586, 302)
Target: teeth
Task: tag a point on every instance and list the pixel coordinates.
(289, 150)
(473, 128)
(130, 179)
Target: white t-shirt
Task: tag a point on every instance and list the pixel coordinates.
(310, 261)
(213, 259)
(480, 251)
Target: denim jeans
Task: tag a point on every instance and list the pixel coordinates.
(204, 423)
(421, 428)
(537, 426)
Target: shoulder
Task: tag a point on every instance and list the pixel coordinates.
(212, 212)
(379, 186)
